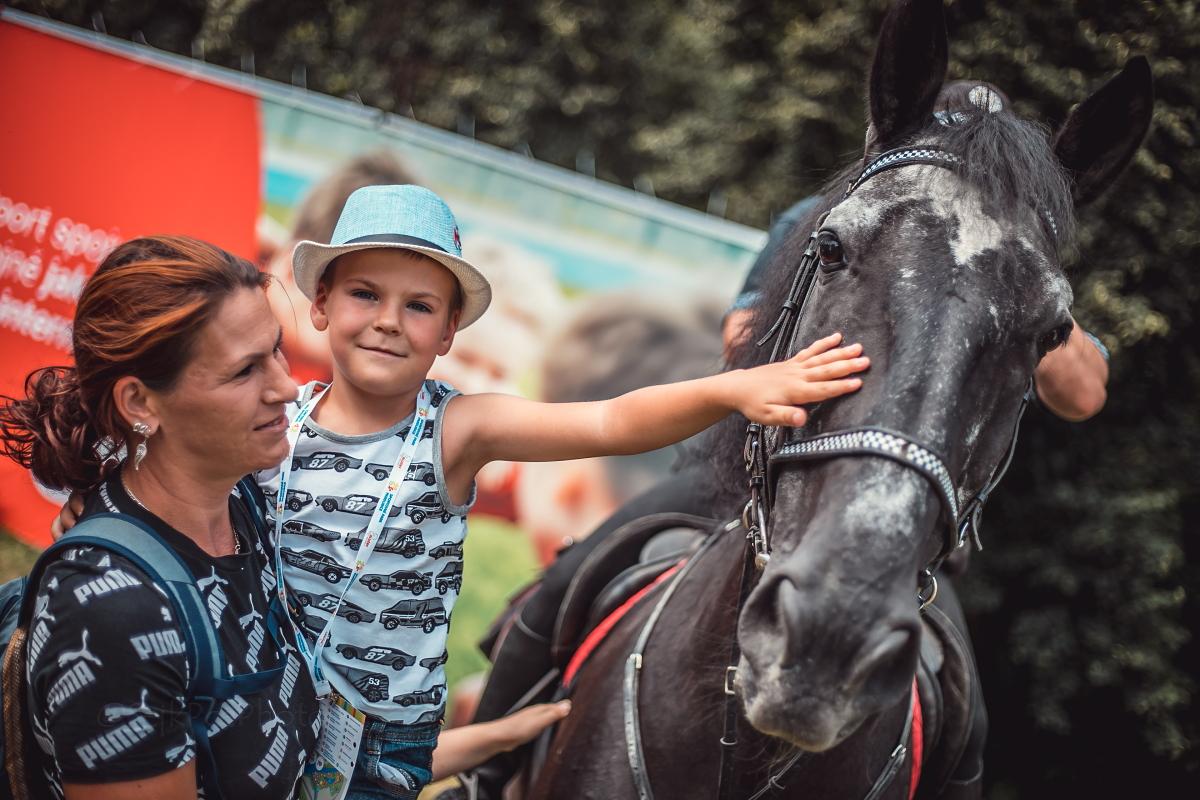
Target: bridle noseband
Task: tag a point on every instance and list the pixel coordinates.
(762, 464)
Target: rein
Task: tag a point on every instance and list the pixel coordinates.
(762, 464)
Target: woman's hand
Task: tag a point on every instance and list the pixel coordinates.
(771, 394)
(68, 515)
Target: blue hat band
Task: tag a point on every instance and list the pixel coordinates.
(396, 238)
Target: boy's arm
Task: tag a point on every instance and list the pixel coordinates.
(1071, 380)
(484, 428)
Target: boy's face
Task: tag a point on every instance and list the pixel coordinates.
(389, 314)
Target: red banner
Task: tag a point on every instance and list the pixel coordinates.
(96, 148)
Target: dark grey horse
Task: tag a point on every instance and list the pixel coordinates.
(951, 279)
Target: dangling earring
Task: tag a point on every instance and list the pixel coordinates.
(143, 430)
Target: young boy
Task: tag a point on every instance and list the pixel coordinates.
(391, 290)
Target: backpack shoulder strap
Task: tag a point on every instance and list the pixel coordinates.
(135, 541)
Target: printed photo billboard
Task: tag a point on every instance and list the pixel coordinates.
(114, 140)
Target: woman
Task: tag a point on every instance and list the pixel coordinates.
(177, 362)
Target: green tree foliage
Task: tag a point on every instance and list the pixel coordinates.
(1085, 605)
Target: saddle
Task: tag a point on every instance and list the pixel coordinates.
(631, 558)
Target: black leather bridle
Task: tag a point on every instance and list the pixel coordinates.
(762, 464)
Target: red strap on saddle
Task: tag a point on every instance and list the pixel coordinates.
(593, 639)
(918, 742)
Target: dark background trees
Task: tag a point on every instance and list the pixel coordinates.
(1085, 607)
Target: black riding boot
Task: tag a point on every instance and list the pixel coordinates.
(522, 660)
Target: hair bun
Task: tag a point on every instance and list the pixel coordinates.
(50, 431)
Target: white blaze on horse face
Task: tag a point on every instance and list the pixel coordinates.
(884, 501)
(972, 231)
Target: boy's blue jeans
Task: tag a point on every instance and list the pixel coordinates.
(394, 760)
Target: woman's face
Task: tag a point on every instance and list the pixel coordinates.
(224, 417)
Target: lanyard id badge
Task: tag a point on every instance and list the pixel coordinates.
(328, 772)
(370, 536)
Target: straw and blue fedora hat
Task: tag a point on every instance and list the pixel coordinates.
(402, 218)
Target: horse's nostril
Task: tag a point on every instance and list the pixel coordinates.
(887, 659)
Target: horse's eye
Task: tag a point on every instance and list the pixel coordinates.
(829, 250)
(1053, 339)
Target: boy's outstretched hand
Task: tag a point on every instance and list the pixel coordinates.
(771, 394)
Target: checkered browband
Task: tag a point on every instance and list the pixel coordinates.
(869, 441)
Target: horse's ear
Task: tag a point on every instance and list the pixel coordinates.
(908, 71)
(1101, 135)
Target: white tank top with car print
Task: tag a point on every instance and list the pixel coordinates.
(387, 647)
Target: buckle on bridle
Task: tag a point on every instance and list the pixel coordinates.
(931, 585)
(730, 677)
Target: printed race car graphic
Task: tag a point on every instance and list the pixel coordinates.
(328, 602)
(443, 550)
(425, 697)
(338, 462)
(415, 582)
(433, 715)
(373, 685)
(353, 504)
(316, 563)
(425, 613)
(407, 543)
(296, 499)
(439, 394)
(313, 623)
(417, 471)
(295, 526)
(426, 432)
(427, 505)
(384, 656)
(435, 661)
(450, 577)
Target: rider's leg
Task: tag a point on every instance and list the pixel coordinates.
(523, 656)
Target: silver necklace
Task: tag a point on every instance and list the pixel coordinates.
(237, 540)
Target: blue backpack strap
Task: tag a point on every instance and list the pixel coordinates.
(135, 541)
(210, 683)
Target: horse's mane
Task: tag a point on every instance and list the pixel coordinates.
(1007, 161)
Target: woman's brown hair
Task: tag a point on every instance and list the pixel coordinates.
(139, 314)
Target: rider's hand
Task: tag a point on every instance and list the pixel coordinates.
(771, 394)
(68, 515)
